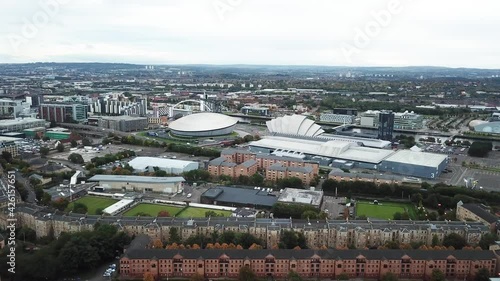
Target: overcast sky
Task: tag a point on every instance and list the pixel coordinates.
(454, 33)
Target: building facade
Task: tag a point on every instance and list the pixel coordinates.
(329, 233)
(63, 112)
(123, 123)
(235, 162)
(18, 125)
(479, 213)
(319, 264)
(9, 144)
(337, 118)
(385, 125)
(402, 120)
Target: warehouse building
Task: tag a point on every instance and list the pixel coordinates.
(171, 166)
(301, 196)
(168, 185)
(415, 164)
(18, 125)
(238, 197)
(348, 154)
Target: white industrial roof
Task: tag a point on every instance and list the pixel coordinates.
(294, 125)
(205, 121)
(8, 139)
(140, 163)
(417, 158)
(117, 206)
(335, 149)
(137, 179)
(10, 122)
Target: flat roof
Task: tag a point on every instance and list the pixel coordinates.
(246, 196)
(8, 139)
(417, 158)
(117, 206)
(139, 179)
(10, 122)
(302, 196)
(123, 117)
(332, 148)
(143, 162)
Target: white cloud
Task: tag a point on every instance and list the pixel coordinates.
(448, 33)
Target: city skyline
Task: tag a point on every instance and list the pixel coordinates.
(226, 32)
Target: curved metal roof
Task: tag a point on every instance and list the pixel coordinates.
(205, 121)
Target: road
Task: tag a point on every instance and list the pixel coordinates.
(31, 191)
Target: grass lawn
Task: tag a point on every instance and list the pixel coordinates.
(152, 210)
(384, 210)
(93, 203)
(200, 212)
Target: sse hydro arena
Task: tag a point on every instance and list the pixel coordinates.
(205, 124)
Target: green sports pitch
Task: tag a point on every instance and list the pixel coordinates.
(192, 212)
(152, 210)
(383, 210)
(93, 203)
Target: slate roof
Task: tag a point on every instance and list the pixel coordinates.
(308, 254)
(243, 196)
(481, 212)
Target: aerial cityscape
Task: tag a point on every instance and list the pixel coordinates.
(249, 140)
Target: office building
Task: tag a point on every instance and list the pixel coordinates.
(8, 108)
(116, 106)
(402, 120)
(123, 123)
(9, 144)
(385, 125)
(63, 112)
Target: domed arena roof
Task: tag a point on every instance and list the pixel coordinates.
(474, 123)
(294, 125)
(203, 124)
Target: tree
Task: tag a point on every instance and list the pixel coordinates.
(482, 274)
(163, 213)
(46, 199)
(343, 276)
(454, 240)
(148, 276)
(246, 274)
(7, 156)
(487, 240)
(197, 277)
(309, 215)
(435, 240)
(86, 142)
(479, 149)
(293, 276)
(389, 276)
(157, 244)
(74, 143)
(60, 147)
(44, 151)
(61, 204)
(173, 235)
(79, 208)
(76, 158)
(437, 275)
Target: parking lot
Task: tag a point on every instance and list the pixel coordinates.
(333, 206)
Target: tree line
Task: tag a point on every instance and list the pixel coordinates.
(68, 255)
